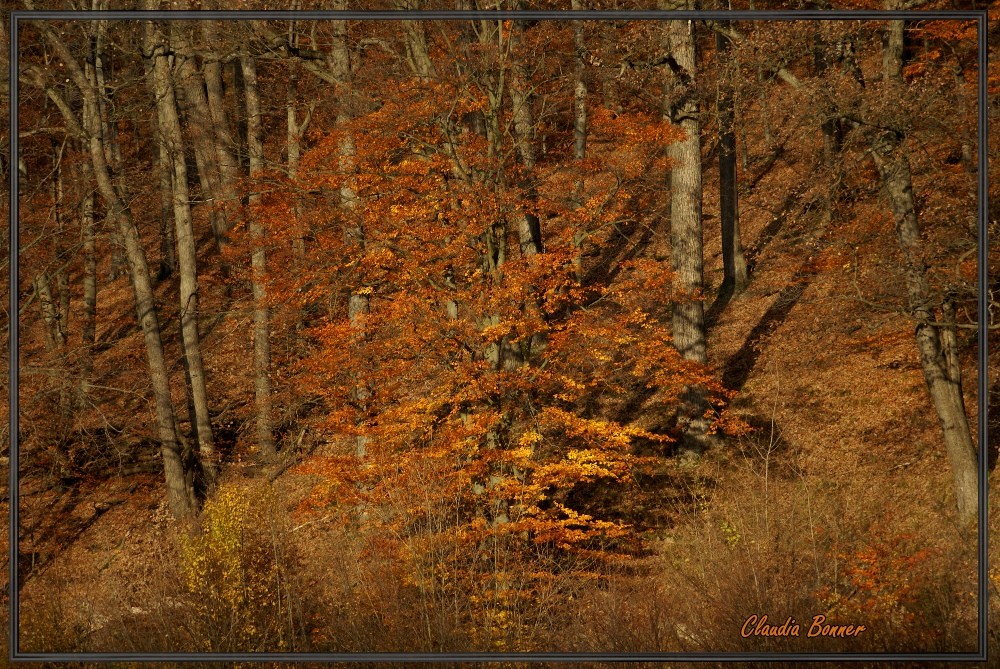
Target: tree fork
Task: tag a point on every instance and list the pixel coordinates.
(936, 344)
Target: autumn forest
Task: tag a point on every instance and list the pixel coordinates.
(498, 334)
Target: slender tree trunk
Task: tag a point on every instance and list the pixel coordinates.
(293, 147)
(579, 88)
(168, 240)
(170, 134)
(55, 342)
(61, 305)
(734, 265)
(54, 337)
(687, 255)
(199, 124)
(258, 267)
(225, 147)
(89, 280)
(180, 495)
(529, 230)
(936, 344)
(358, 303)
(293, 143)
(164, 174)
(579, 132)
(520, 98)
(831, 129)
(498, 354)
(61, 275)
(118, 261)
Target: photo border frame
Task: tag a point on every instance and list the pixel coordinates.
(979, 16)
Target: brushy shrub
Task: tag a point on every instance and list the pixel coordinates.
(237, 568)
(799, 546)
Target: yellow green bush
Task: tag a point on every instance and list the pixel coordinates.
(234, 566)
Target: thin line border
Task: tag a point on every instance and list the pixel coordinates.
(980, 16)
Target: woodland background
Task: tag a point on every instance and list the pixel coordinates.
(498, 335)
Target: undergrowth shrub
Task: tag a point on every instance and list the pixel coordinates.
(237, 568)
(402, 579)
(795, 546)
(50, 625)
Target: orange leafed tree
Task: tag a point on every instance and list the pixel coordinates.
(491, 384)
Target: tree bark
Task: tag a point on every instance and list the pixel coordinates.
(89, 280)
(293, 147)
(112, 153)
(168, 241)
(199, 124)
(734, 265)
(579, 133)
(417, 54)
(529, 231)
(686, 242)
(170, 134)
(258, 267)
(358, 304)
(54, 336)
(685, 198)
(831, 127)
(61, 275)
(936, 343)
(225, 147)
(579, 88)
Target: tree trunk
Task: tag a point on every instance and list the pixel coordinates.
(937, 358)
(89, 280)
(293, 147)
(831, 127)
(579, 88)
(61, 275)
(61, 304)
(54, 336)
(112, 148)
(258, 267)
(168, 241)
(529, 230)
(180, 496)
(936, 344)
(685, 198)
(579, 133)
(199, 124)
(417, 54)
(358, 304)
(734, 264)
(164, 174)
(686, 243)
(170, 134)
(225, 147)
